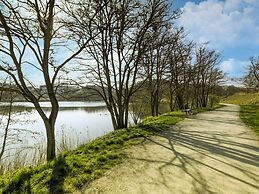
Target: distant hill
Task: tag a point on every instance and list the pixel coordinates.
(64, 93)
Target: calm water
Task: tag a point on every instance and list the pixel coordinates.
(77, 123)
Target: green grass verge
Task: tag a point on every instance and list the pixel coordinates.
(73, 169)
(199, 110)
(242, 99)
(250, 115)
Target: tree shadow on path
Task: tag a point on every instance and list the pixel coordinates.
(223, 148)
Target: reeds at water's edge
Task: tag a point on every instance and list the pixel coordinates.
(34, 156)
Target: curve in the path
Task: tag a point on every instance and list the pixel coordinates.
(212, 152)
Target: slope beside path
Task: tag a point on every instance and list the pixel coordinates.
(212, 152)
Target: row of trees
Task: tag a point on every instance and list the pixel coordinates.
(178, 71)
(251, 79)
(119, 46)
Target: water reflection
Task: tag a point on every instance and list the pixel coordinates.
(68, 104)
(76, 124)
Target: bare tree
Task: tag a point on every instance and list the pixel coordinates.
(155, 62)
(254, 67)
(159, 42)
(31, 36)
(117, 50)
(7, 112)
(251, 79)
(205, 75)
(179, 71)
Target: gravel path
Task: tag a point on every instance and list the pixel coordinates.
(212, 152)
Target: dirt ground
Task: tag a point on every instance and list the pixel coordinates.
(212, 152)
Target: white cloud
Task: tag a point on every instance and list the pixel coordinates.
(225, 24)
(227, 66)
(233, 67)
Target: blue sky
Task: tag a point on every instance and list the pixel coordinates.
(231, 27)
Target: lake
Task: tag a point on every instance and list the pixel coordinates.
(77, 123)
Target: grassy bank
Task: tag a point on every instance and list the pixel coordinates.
(199, 110)
(242, 99)
(249, 113)
(73, 169)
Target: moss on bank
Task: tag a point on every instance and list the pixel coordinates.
(73, 169)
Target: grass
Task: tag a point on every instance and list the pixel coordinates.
(199, 110)
(249, 113)
(73, 169)
(242, 99)
(162, 121)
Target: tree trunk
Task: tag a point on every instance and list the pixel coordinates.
(126, 120)
(51, 144)
(171, 99)
(180, 101)
(6, 128)
(120, 121)
(156, 105)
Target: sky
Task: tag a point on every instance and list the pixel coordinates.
(230, 26)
